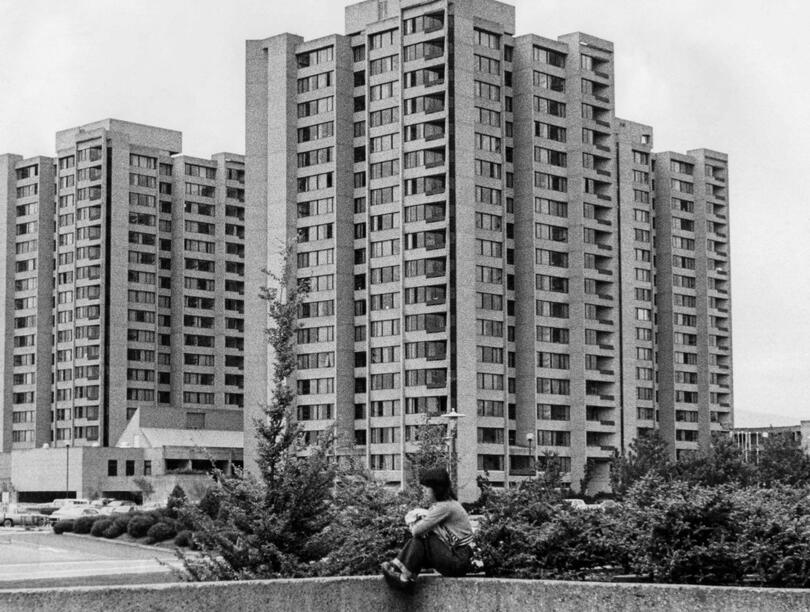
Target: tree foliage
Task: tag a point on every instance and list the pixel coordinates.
(648, 454)
(431, 451)
(306, 514)
(783, 460)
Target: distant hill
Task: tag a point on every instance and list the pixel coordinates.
(744, 418)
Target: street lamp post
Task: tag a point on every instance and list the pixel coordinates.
(67, 470)
(530, 440)
(452, 435)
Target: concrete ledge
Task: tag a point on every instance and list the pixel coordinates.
(433, 593)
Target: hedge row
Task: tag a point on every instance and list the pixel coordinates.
(155, 526)
(670, 532)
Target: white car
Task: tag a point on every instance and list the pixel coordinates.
(72, 512)
(118, 507)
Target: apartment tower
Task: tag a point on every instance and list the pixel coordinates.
(124, 267)
(478, 231)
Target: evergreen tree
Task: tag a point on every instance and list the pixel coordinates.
(783, 460)
(648, 454)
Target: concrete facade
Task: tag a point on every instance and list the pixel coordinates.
(693, 290)
(433, 593)
(478, 229)
(155, 447)
(144, 308)
(751, 440)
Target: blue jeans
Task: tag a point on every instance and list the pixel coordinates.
(431, 551)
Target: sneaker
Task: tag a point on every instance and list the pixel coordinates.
(394, 578)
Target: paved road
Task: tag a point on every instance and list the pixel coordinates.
(42, 558)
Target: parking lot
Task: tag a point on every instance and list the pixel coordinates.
(37, 558)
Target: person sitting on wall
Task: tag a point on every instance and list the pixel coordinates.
(442, 535)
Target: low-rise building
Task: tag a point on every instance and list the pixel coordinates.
(154, 453)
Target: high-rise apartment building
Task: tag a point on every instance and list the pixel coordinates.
(124, 268)
(481, 234)
(693, 296)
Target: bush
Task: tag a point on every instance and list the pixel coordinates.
(183, 538)
(685, 533)
(60, 527)
(100, 526)
(139, 525)
(209, 504)
(115, 529)
(367, 530)
(83, 524)
(122, 521)
(177, 499)
(160, 532)
(775, 535)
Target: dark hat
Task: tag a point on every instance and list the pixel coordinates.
(434, 477)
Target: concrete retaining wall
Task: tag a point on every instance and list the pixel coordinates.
(369, 594)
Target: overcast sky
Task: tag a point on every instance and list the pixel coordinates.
(730, 75)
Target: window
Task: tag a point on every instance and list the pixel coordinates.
(553, 412)
(549, 81)
(553, 438)
(316, 81)
(486, 39)
(681, 167)
(550, 131)
(312, 58)
(316, 132)
(384, 116)
(549, 56)
(382, 39)
(112, 467)
(549, 107)
(682, 186)
(486, 91)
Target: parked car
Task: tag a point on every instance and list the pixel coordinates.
(73, 511)
(15, 515)
(101, 502)
(119, 507)
(69, 501)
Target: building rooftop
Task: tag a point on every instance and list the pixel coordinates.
(170, 141)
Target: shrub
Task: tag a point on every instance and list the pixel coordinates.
(775, 535)
(160, 532)
(177, 499)
(686, 534)
(83, 524)
(122, 522)
(367, 529)
(100, 526)
(114, 530)
(183, 538)
(517, 522)
(60, 527)
(139, 525)
(209, 504)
